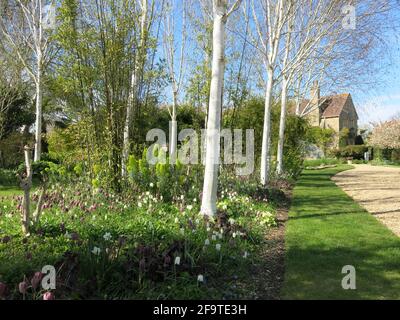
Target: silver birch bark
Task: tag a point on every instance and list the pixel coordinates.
(209, 200)
(138, 64)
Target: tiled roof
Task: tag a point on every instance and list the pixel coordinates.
(331, 106)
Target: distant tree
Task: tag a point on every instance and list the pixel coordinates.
(386, 135)
(321, 137)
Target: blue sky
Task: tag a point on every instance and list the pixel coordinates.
(382, 102)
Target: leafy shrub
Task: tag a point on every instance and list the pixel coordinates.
(170, 181)
(353, 151)
(7, 178)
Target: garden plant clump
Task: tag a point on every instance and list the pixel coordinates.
(142, 243)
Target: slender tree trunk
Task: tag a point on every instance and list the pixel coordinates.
(209, 200)
(132, 98)
(38, 211)
(127, 126)
(281, 139)
(26, 184)
(266, 141)
(39, 102)
(173, 139)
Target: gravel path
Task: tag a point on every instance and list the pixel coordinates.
(377, 189)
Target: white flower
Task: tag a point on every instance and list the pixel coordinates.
(107, 236)
(96, 251)
(176, 220)
(182, 197)
(194, 200)
(218, 247)
(139, 204)
(245, 255)
(178, 261)
(231, 221)
(207, 242)
(147, 193)
(189, 207)
(214, 237)
(151, 185)
(200, 278)
(234, 235)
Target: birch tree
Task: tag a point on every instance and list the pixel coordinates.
(25, 29)
(139, 61)
(319, 42)
(175, 65)
(220, 15)
(269, 18)
(315, 25)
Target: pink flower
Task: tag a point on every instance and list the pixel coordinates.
(36, 280)
(49, 296)
(167, 260)
(3, 289)
(23, 287)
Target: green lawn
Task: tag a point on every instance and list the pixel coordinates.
(10, 191)
(328, 230)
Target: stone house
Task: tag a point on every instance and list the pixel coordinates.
(336, 112)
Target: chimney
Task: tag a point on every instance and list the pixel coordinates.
(314, 104)
(315, 94)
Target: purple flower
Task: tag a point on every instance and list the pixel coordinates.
(6, 239)
(167, 260)
(49, 296)
(74, 236)
(3, 289)
(36, 280)
(23, 287)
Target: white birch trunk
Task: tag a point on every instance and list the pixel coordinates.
(209, 200)
(127, 126)
(39, 113)
(26, 185)
(281, 139)
(173, 139)
(266, 141)
(133, 89)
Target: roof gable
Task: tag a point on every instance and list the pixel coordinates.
(331, 106)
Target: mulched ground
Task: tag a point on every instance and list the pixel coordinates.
(267, 276)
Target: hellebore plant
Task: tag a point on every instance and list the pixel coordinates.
(3, 290)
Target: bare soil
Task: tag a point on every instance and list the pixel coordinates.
(267, 276)
(377, 189)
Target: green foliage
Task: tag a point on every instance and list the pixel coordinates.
(353, 151)
(12, 149)
(126, 245)
(250, 115)
(7, 178)
(15, 108)
(344, 136)
(163, 179)
(321, 137)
